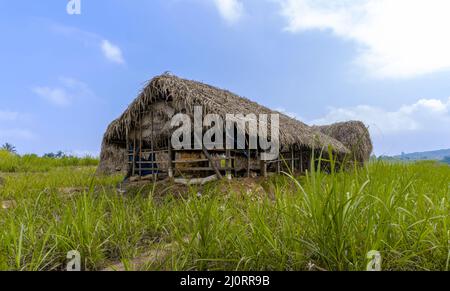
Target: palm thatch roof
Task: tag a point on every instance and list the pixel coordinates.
(184, 94)
(354, 135)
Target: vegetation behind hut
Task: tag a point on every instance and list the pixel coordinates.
(354, 135)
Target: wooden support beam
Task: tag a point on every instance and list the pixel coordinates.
(228, 163)
(292, 160)
(134, 153)
(170, 160)
(199, 161)
(248, 161)
(128, 150)
(201, 169)
(263, 165)
(152, 143)
(194, 161)
(213, 165)
(234, 164)
(149, 169)
(147, 152)
(140, 145)
(301, 160)
(279, 165)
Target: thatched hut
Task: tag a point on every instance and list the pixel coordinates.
(138, 142)
(354, 135)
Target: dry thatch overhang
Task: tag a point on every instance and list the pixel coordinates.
(184, 94)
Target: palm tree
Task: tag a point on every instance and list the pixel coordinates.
(9, 148)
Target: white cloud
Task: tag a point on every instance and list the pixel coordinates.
(230, 10)
(395, 38)
(427, 122)
(425, 114)
(57, 96)
(64, 94)
(112, 52)
(289, 113)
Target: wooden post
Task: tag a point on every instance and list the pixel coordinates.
(228, 164)
(134, 152)
(140, 144)
(292, 160)
(170, 160)
(152, 154)
(248, 161)
(279, 164)
(301, 159)
(208, 156)
(128, 150)
(263, 165)
(234, 164)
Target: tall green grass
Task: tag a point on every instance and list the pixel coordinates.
(318, 221)
(32, 163)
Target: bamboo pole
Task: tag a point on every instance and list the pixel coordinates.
(170, 160)
(292, 160)
(153, 156)
(228, 163)
(263, 165)
(140, 145)
(234, 164)
(301, 160)
(134, 152)
(248, 161)
(128, 150)
(279, 164)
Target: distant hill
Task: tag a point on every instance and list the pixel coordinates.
(432, 155)
(439, 155)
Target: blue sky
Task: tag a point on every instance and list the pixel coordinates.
(386, 62)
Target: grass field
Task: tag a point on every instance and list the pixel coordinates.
(319, 221)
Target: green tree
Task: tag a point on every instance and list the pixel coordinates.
(9, 148)
(57, 155)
